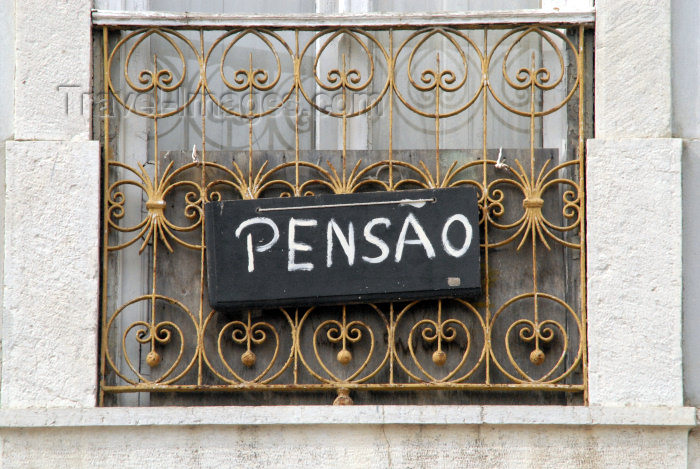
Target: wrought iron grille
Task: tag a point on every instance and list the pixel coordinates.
(527, 332)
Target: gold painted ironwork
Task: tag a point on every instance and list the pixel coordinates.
(436, 344)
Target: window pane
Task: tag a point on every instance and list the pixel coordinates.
(406, 6)
(235, 6)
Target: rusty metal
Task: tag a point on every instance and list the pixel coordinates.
(489, 366)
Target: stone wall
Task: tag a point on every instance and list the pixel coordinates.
(342, 437)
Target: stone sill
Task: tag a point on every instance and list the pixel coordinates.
(682, 417)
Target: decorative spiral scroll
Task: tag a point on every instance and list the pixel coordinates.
(438, 332)
(538, 333)
(249, 335)
(344, 334)
(532, 222)
(531, 76)
(157, 334)
(155, 79)
(155, 225)
(439, 78)
(245, 337)
(345, 77)
(251, 79)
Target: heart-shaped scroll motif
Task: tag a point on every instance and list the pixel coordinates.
(159, 78)
(529, 75)
(248, 336)
(343, 334)
(438, 332)
(252, 77)
(345, 77)
(158, 335)
(440, 77)
(539, 333)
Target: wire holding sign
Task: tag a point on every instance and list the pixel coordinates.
(412, 202)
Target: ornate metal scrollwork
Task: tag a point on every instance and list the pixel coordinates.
(515, 337)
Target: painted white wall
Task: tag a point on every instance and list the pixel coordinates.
(7, 71)
(7, 109)
(686, 125)
(686, 69)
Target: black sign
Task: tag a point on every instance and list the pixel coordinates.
(343, 248)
